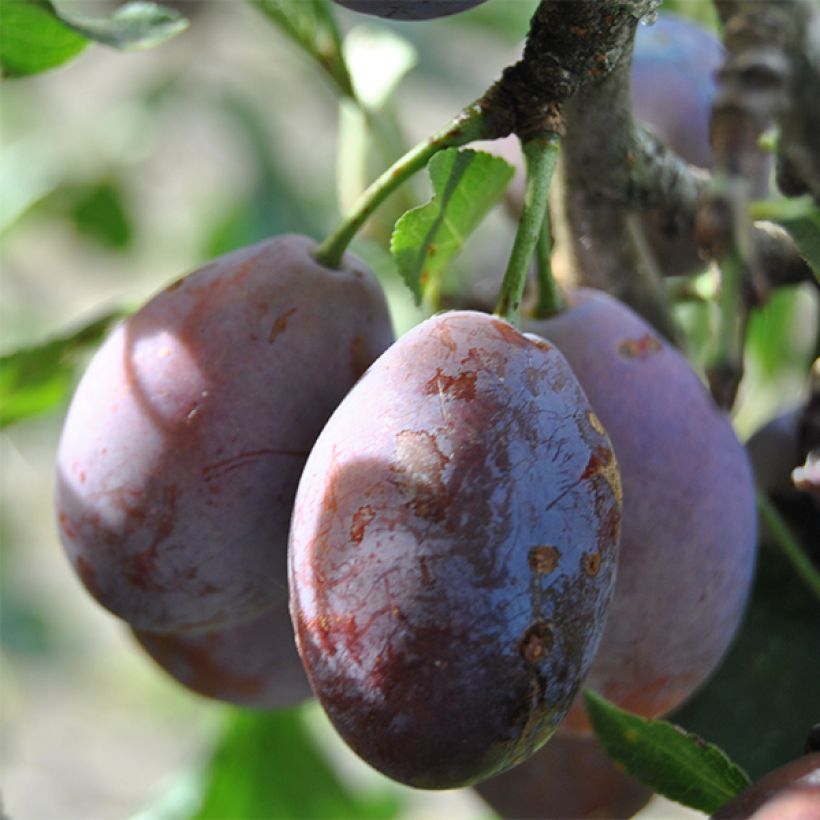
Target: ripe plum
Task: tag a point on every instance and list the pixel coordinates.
(689, 520)
(673, 77)
(184, 442)
(791, 792)
(253, 664)
(570, 778)
(410, 9)
(452, 551)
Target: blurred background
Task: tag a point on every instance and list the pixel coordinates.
(119, 172)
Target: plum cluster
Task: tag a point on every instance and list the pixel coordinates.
(442, 537)
(453, 542)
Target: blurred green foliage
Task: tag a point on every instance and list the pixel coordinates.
(268, 765)
(36, 36)
(37, 379)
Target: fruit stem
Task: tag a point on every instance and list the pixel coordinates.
(540, 156)
(469, 125)
(789, 544)
(550, 300)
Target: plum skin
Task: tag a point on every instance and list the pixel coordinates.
(452, 551)
(182, 448)
(409, 9)
(571, 777)
(790, 792)
(688, 543)
(252, 664)
(673, 79)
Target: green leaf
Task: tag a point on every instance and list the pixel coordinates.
(35, 36)
(268, 765)
(801, 218)
(678, 765)
(311, 26)
(133, 26)
(33, 39)
(769, 337)
(466, 185)
(37, 379)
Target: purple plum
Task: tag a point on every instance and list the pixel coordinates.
(452, 551)
(183, 445)
(689, 538)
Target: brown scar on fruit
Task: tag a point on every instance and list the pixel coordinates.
(361, 518)
(536, 642)
(640, 349)
(420, 473)
(509, 334)
(461, 386)
(280, 324)
(543, 559)
(68, 526)
(591, 562)
(602, 463)
(541, 344)
(609, 527)
(443, 333)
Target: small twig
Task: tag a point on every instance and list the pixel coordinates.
(608, 179)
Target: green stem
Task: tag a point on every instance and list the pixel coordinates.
(540, 155)
(550, 300)
(789, 544)
(725, 367)
(470, 125)
(729, 337)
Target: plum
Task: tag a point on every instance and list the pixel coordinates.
(452, 551)
(688, 543)
(571, 777)
(774, 452)
(410, 9)
(673, 76)
(791, 792)
(253, 664)
(185, 439)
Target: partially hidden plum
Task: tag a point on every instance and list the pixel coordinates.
(774, 452)
(253, 664)
(673, 77)
(569, 779)
(688, 543)
(183, 445)
(410, 9)
(452, 551)
(674, 81)
(791, 792)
